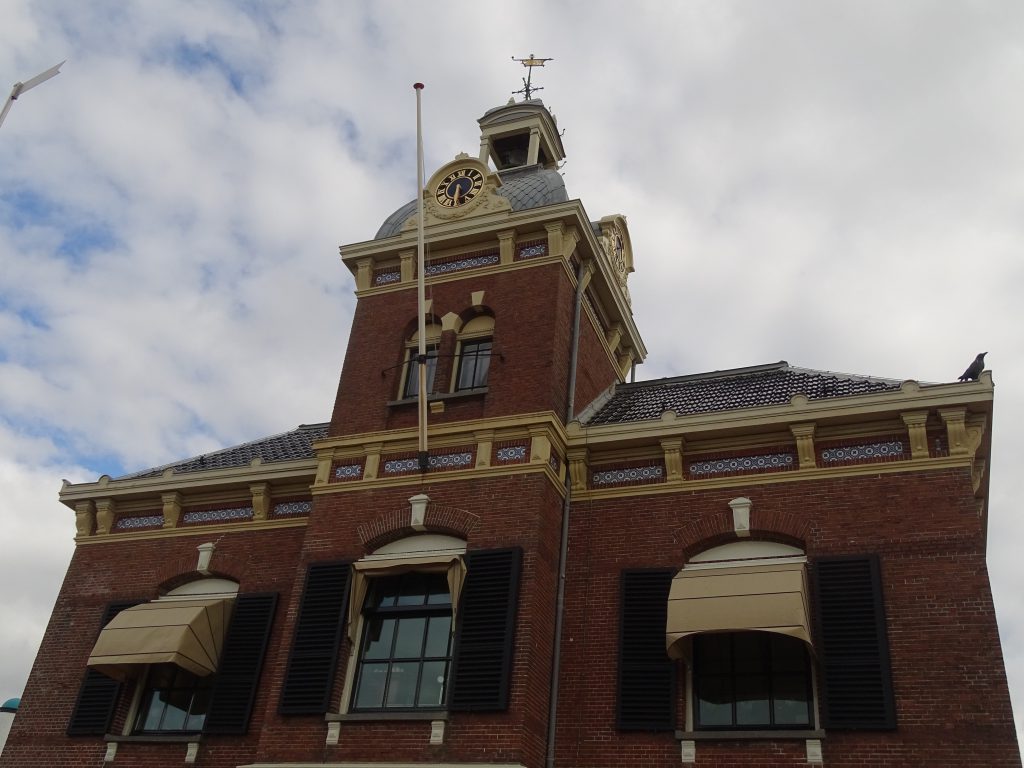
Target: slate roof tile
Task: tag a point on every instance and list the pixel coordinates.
(287, 446)
(754, 387)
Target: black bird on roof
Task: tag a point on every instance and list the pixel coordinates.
(974, 369)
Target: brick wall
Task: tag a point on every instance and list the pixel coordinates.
(952, 701)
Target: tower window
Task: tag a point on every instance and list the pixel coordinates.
(412, 375)
(174, 701)
(474, 362)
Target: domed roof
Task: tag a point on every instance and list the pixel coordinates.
(524, 188)
(11, 705)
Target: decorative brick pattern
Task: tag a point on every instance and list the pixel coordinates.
(460, 263)
(135, 523)
(217, 515)
(289, 508)
(395, 524)
(348, 472)
(891, 450)
(531, 249)
(743, 464)
(442, 461)
(512, 453)
(628, 475)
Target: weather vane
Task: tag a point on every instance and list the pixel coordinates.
(530, 62)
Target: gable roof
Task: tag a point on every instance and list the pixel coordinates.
(287, 446)
(757, 386)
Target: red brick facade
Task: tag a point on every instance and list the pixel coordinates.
(923, 519)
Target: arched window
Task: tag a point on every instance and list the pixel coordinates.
(404, 598)
(738, 614)
(410, 370)
(473, 359)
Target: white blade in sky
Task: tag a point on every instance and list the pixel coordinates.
(20, 88)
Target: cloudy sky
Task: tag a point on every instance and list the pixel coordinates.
(836, 184)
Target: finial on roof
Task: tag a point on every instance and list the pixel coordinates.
(529, 62)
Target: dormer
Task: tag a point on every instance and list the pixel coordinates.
(520, 135)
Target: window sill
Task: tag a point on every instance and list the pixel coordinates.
(439, 397)
(773, 735)
(365, 717)
(155, 738)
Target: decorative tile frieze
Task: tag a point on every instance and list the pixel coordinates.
(554, 463)
(386, 278)
(628, 475)
(440, 461)
(531, 250)
(286, 508)
(348, 472)
(485, 260)
(511, 453)
(218, 515)
(892, 449)
(134, 523)
(761, 463)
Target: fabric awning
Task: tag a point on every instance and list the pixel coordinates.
(188, 633)
(768, 597)
(449, 563)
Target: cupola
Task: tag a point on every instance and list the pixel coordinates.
(520, 134)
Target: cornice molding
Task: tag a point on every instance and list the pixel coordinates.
(248, 526)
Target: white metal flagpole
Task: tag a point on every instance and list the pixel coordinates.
(421, 301)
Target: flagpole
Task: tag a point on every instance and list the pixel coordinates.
(421, 301)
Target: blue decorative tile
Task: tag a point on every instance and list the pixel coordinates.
(512, 453)
(130, 523)
(213, 515)
(742, 464)
(529, 251)
(456, 266)
(889, 450)
(293, 508)
(443, 461)
(554, 463)
(629, 475)
(349, 472)
(384, 278)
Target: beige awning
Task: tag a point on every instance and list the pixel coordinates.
(188, 633)
(449, 563)
(766, 598)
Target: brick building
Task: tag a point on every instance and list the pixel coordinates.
(761, 566)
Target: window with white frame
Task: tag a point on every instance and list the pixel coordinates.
(474, 355)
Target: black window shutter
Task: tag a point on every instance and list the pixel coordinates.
(487, 619)
(853, 644)
(98, 694)
(318, 629)
(647, 676)
(234, 686)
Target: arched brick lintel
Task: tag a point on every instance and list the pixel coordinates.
(396, 524)
(222, 566)
(716, 529)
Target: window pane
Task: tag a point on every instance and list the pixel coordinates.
(791, 700)
(414, 589)
(402, 685)
(176, 710)
(409, 641)
(437, 590)
(751, 652)
(152, 710)
(200, 706)
(438, 632)
(483, 363)
(714, 705)
(385, 593)
(379, 633)
(372, 678)
(474, 361)
(412, 378)
(752, 700)
(432, 684)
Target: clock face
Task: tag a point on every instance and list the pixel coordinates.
(459, 187)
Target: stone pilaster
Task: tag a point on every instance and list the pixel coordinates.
(804, 436)
(917, 422)
(172, 508)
